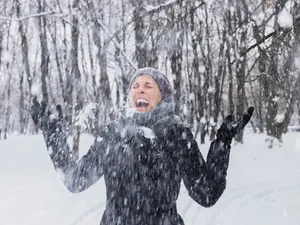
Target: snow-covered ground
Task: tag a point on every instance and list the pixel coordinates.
(263, 187)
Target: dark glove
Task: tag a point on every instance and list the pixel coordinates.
(230, 128)
(43, 118)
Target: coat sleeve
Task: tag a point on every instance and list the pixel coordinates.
(205, 181)
(77, 176)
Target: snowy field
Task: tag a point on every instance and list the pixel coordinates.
(263, 187)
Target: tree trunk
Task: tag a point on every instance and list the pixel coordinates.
(59, 64)
(218, 88)
(177, 54)
(24, 45)
(139, 33)
(78, 86)
(272, 107)
(197, 90)
(241, 62)
(228, 56)
(8, 107)
(208, 82)
(25, 60)
(22, 104)
(44, 50)
(298, 106)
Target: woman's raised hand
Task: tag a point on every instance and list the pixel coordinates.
(42, 116)
(230, 127)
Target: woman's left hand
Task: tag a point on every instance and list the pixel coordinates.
(230, 128)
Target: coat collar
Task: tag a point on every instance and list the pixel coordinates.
(162, 111)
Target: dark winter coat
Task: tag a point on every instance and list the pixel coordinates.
(143, 159)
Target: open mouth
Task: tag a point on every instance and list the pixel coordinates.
(141, 103)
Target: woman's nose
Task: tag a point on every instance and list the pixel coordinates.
(141, 90)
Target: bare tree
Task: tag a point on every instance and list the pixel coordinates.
(176, 50)
(44, 50)
(241, 61)
(25, 50)
(75, 76)
(221, 57)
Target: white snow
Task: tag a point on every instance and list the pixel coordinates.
(203, 120)
(297, 144)
(150, 8)
(202, 69)
(88, 112)
(211, 121)
(297, 62)
(276, 99)
(191, 96)
(52, 117)
(99, 139)
(185, 110)
(225, 97)
(263, 187)
(279, 118)
(148, 133)
(35, 89)
(285, 19)
(211, 90)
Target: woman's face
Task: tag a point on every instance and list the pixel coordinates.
(144, 93)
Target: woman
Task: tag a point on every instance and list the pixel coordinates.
(144, 156)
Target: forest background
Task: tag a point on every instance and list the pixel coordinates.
(221, 56)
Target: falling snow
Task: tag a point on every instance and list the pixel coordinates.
(285, 19)
(147, 132)
(279, 118)
(32, 190)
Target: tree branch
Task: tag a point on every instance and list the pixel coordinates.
(285, 31)
(117, 44)
(16, 19)
(256, 44)
(28, 16)
(153, 9)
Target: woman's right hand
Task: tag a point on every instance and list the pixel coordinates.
(42, 117)
(37, 112)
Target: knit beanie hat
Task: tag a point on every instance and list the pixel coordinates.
(162, 81)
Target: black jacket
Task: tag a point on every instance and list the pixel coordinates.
(143, 159)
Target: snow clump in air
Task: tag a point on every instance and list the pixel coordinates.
(285, 19)
(279, 118)
(148, 133)
(35, 89)
(203, 120)
(202, 69)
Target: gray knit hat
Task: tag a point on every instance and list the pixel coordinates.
(162, 81)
